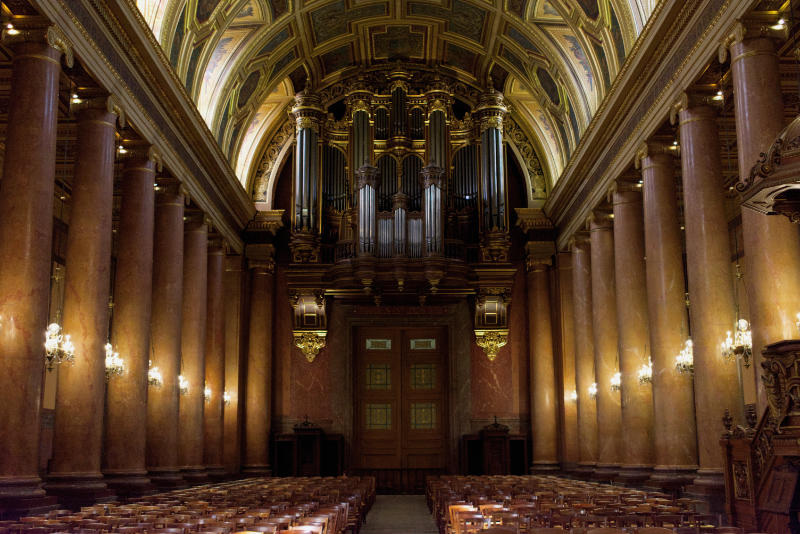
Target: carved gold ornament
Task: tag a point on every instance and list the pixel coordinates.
(491, 341)
(309, 343)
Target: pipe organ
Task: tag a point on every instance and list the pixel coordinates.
(400, 186)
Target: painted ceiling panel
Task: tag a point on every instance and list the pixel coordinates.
(560, 56)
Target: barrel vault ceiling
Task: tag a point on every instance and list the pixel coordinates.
(243, 60)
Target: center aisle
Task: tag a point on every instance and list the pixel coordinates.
(406, 514)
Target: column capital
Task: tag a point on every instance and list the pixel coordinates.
(307, 110)
(622, 186)
(261, 258)
(38, 30)
(83, 107)
(578, 241)
(706, 102)
(652, 149)
(539, 255)
(752, 27)
(138, 154)
(491, 109)
(399, 201)
(431, 175)
(366, 175)
(600, 219)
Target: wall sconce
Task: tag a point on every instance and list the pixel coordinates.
(115, 365)
(616, 381)
(57, 347)
(684, 361)
(207, 393)
(593, 390)
(740, 345)
(646, 372)
(226, 398)
(183, 385)
(154, 377)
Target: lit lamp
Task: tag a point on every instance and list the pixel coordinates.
(183, 385)
(593, 390)
(740, 345)
(646, 372)
(207, 393)
(57, 347)
(684, 361)
(616, 381)
(114, 364)
(226, 398)
(154, 377)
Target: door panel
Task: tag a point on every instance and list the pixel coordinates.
(401, 412)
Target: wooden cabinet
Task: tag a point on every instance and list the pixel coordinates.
(308, 451)
(494, 451)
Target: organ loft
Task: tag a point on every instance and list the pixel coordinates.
(425, 265)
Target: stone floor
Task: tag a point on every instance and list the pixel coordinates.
(399, 514)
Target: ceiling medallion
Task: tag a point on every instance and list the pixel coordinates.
(491, 341)
(310, 342)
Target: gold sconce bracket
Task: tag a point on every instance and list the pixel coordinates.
(491, 341)
(309, 342)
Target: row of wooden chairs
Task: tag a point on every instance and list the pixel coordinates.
(310, 505)
(528, 504)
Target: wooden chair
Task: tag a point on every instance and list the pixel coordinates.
(653, 530)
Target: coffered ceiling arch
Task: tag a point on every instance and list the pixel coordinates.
(242, 59)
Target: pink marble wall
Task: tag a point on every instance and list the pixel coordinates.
(500, 388)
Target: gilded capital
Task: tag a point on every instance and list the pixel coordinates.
(752, 27)
(37, 30)
(366, 175)
(693, 101)
(432, 176)
(108, 104)
(649, 149)
(137, 153)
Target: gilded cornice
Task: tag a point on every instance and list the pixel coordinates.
(116, 46)
(670, 53)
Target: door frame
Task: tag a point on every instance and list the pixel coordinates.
(457, 319)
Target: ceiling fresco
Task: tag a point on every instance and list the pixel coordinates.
(243, 60)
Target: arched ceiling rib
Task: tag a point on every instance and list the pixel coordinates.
(241, 60)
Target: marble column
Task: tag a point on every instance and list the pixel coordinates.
(193, 349)
(126, 395)
(233, 295)
(605, 335)
(258, 390)
(165, 332)
(570, 454)
(708, 266)
(26, 193)
(215, 363)
(544, 426)
(634, 334)
(771, 244)
(673, 402)
(75, 474)
(584, 354)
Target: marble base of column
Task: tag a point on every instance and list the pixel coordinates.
(217, 473)
(605, 472)
(257, 470)
(709, 486)
(545, 467)
(24, 496)
(671, 478)
(76, 490)
(129, 484)
(166, 479)
(584, 470)
(195, 474)
(634, 475)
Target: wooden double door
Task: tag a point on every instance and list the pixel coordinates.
(401, 403)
